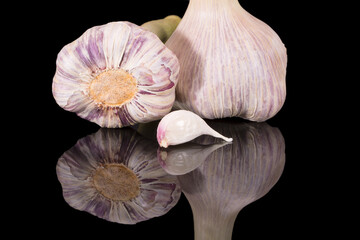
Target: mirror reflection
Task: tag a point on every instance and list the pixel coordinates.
(123, 176)
(114, 174)
(232, 176)
(183, 158)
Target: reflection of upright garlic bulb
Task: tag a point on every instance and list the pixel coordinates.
(232, 176)
(232, 64)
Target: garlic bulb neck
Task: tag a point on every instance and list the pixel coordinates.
(210, 4)
(215, 8)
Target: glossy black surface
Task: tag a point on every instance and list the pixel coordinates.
(294, 206)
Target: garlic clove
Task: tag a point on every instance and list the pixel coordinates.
(182, 126)
(232, 64)
(114, 174)
(116, 75)
(184, 158)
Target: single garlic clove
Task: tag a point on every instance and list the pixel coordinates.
(232, 64)
(182, 126)
(116, 75)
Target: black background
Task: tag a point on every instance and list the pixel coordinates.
(297, 206)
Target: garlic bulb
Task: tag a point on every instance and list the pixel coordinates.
(182, 126)
(116, 75)
(233, 176)
(232, 64)
(114, 174)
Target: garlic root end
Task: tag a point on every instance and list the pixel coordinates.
(164, 143)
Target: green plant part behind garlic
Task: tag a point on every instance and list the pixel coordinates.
(232, 64)
(116, 75)
(163, 28)
(182, 126)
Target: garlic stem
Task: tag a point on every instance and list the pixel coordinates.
(163, 28)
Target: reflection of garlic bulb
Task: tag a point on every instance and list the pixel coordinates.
(232, 64)
(114, 174)
(232, 176)
(116, 75)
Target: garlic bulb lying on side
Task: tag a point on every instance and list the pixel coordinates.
(116, 75)
(232, 64)
(182, 126)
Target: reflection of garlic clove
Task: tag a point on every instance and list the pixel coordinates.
(182, 126)
(233, 176)
(232, 64)
(114, 174)
(184, 158)
(116, 75)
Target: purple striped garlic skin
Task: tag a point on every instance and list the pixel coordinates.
(232, 64)
(116, 75)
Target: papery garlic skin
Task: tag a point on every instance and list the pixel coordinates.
(116, 75)
(232, 64)
(182, 126)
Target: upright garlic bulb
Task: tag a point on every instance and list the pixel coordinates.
(232, 64)
(116, 75)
